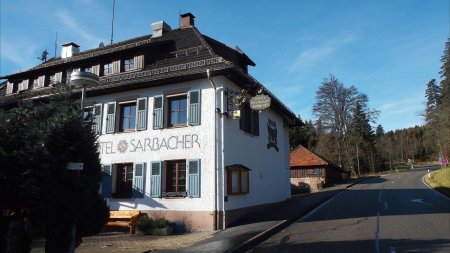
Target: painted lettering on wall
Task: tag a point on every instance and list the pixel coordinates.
(187, 141)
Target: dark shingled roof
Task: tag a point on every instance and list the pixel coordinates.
(177, 55)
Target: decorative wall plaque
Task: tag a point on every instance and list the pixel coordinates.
(272, 130)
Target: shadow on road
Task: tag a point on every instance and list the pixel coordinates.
(399, 245)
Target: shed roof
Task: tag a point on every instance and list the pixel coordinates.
(302, 157)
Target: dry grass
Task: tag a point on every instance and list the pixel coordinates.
(440, 180)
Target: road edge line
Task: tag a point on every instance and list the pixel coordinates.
(425, 183)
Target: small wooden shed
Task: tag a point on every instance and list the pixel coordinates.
(310, 172)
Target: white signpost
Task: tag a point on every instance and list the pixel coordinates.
(75, 166)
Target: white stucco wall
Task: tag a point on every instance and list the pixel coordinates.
(142, 148)
(269, 175)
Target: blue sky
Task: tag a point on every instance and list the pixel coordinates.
(388, 49)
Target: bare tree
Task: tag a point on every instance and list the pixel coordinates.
(334, 108)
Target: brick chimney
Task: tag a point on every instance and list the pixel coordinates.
(186, 20)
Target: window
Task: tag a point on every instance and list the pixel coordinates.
(124, 181)
(52, 80)
(108, 69)
(128, 64)
(35, 83)
(87, 113)
(177, 110)
(64, 76)
(181, 178)
(237, 180)
(176, 176)
(127, 116)
(131, 115)
(15, 87)
(94, 113)
(249, 121)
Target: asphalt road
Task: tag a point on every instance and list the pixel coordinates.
(392, 213)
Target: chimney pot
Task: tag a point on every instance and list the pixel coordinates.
(186, 20)
(158, 28)
(69, 49)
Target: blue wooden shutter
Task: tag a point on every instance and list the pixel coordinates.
(256, 123)
(158, 112)
(141, 112)
(194, 107)
(194, 178)
(139, 180)
(106, 186)
(110, 117)
(155, 179)
(97, 120)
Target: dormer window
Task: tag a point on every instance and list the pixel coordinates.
(52, 80)
(35, 83)
(128, 64)
(108, 68)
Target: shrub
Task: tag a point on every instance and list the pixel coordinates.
(145, 224)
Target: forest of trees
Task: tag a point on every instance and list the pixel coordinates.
(344, 131)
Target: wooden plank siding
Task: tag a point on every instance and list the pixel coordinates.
(306, 172)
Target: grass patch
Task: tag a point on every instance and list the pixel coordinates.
(440, 180)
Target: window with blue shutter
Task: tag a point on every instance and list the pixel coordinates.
(194, 178)
(97, 118)
(141, 112)
(139, 180)
(110, 117)
(106, 187)
(158, 113)
(155, 179)
(194, 107)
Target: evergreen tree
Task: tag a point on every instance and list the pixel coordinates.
(444, 105)
(379, 131)
(36, 143)
(363, 139)
(304, 135)
(433, 95)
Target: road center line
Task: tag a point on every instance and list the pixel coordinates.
(385, 205)
(391, 250)
(379, 195)
(377, 234)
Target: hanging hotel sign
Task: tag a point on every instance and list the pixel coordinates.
(260, 102)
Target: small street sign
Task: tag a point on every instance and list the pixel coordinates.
(75, 166)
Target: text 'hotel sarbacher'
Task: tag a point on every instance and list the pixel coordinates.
(172, 142)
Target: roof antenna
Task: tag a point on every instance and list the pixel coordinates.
(56, 41)
(112, 23)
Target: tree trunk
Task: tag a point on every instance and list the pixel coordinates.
(16, 238)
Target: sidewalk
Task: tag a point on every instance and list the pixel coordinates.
(260, 224)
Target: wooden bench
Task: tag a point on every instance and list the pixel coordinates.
(126, 218)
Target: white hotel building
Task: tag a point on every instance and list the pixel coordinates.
(168, 144)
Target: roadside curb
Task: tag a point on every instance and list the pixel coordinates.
(429, 186)
(359, 181)
(264, 235)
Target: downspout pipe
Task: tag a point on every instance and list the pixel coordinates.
(216, 215)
